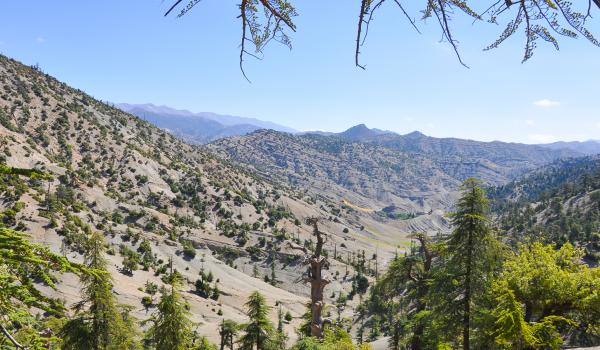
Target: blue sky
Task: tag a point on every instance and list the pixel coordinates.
(126, 51)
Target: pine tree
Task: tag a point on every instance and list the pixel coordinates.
(22, 263)
(471, 255)
(228, 331)
(171, 325)
(99, 320)
(259, 330)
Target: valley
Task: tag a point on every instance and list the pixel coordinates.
(236, 209)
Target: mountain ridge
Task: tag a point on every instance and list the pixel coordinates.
(413, 177)
(200, 127)
(589, 147)
(361, 132)
(557, 203)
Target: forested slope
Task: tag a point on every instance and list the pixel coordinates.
(160, 204)
(557, 203)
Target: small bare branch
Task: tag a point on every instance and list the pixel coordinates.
(12, 339)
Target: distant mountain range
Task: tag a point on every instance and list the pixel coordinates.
(389, 138)
(206, 127)
(590, 147)
(200, 127)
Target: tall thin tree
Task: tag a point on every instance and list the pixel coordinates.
(470, 251)
(99, 319)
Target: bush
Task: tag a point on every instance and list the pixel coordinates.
(147, 301)
(189, 251)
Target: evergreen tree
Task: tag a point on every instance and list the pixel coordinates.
(470, 257)
(401, 296)
(228, 331)
(171, 325)
(259, 330)
(22, 263)
(99, 320)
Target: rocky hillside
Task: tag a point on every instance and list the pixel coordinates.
(557, 203)
(158, 199)
(409, 179)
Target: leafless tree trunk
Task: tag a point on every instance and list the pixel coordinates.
(317, 282)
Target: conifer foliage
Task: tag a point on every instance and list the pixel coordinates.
(23, 267)
(471, 255)
(171, 327)
(468, 290)
(259, 330)
(100, 322)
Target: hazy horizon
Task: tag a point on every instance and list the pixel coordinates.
(342, 128)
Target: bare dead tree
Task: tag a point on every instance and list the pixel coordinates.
(317, 263)
(266, 20)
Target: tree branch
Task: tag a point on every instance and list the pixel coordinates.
(11, 338)
(361, 20)
(278, 15)
(173, 7)
(443, 21)
(243, 43)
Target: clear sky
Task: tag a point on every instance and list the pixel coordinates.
(126, 51)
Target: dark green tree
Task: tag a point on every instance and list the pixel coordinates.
(228, 331)
(401, 296)
(471, 255)
(259, 330)
(171, 327)
(100, 323)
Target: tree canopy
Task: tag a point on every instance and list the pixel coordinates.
(469, 290)
(24, 267)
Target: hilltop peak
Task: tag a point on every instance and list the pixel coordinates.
(415, 134)
(360, 132)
